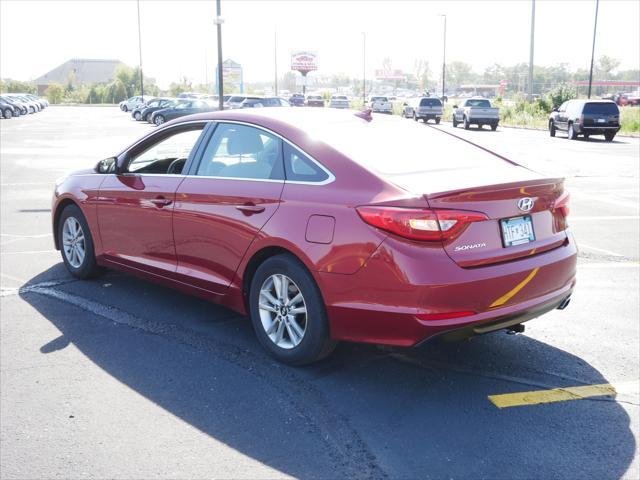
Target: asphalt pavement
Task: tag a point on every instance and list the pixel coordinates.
(121, 378)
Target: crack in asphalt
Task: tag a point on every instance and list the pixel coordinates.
(343, 443)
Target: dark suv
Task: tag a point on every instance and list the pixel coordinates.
(586, 117)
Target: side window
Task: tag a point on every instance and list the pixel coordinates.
(563, 107)
(240, 151)
(300, 168)
(168, 155)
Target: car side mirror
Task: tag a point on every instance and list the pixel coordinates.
(556, 109)
(108, 165)
(455, 106)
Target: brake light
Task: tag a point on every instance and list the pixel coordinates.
(581, 119)
(562, 204)
(420, 224)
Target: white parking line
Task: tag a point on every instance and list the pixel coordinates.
(39, 235)
(28, 253)
(603, 199)
(609, 265)
(610, 217)
(601, 250)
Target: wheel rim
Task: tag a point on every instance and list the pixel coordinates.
(159, 120)
(137, 117)
(283, 311)
(73, 242)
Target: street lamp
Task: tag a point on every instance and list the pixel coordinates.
(444, 53)
(218, 21)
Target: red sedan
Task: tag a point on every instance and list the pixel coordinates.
(325, 225)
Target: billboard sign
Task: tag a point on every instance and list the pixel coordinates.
(384, 74)
(304, 61)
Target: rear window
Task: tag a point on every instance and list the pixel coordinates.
(601, 108)
(379, 99)
(478, 102)
(430, 102)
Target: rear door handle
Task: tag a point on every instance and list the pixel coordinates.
(161, 202)
(250, 209)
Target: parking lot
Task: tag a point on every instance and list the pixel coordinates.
(121, 378)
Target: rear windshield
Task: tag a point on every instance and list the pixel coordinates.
(601, 108)
(379, 99)
(430, 102)
(478, 102)
(339, 97)
(236, 99)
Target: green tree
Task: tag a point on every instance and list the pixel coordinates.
(54, 93)
(115, 92)
(605, 65)
(14, 86)
(184, 86)
(460, 73)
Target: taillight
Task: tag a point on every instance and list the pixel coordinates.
(562, 204)
(581, 119)
(420, 224)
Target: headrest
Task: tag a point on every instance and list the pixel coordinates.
(244, 141)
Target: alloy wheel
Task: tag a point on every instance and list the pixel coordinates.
(283, 311)
(73, 242)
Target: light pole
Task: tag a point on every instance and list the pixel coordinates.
(219, 21)
(364, 68)
(275, 60)
(140, 51)
(533, 22)
(593, 49)
(444, 54)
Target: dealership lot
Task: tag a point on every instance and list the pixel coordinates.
(121, 378)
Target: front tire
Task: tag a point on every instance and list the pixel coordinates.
(288, 312)
(552, 129)
(76, 244)
(415, 117)
(137, 116)
(466, 123)
(8, 113)
(455, 123)
(494, 127)
(124, 108)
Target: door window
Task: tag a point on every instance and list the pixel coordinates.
(168, 155)
(300, 168)
(240, 151)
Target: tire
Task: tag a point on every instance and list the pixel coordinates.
(466, 123)
(76, 247)
(455, 123)
(415, 117)
(425, 120)
(571, 133)
(586, 136)
(306, 342)
(437, 121)
(494, 127)
(158, 120)
(552, 129)
(124, 108)
(609, 136)
(137, 116)
(7, 113)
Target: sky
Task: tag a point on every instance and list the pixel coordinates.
(179, 38)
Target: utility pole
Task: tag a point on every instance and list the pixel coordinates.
(593, 49)
(444, 54)
(364, 68)
(533, 23)
(140, 51)
(275, 60)
(219, 21)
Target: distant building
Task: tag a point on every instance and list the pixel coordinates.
(80, 71)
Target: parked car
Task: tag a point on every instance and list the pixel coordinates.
(298, 218)
(19, 107)
(339, 101)
(132, 102)
(380, 105)
(142, 112)
(8, 109)
(235, 101)
(315, 101)
(424, 108)
(32, 106)
(476, 111)
(185, 106)
(256, 101)
(296, 100)
(586, 118)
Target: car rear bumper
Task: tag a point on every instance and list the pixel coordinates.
(598, 129)
(385, 302)
(484, 120)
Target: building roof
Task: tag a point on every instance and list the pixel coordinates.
(82, 70)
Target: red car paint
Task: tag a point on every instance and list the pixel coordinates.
(206, 235)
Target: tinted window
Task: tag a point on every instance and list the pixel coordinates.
(601, 108)
(300, 168)
(240, 151)
(167, 155)
(379, 99)
(478, 102)
(430, 102)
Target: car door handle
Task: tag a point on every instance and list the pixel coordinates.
(161, 202)
(250, 209)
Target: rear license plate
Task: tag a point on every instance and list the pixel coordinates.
(601, 120)
(517, 231)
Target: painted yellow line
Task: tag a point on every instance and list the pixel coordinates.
(507, 296)
(550, 396)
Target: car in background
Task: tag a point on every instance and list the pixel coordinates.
(296, 100)
(132, 102)
(423, 108)
(323, 225)
(339, 101)
(476, 111)
(586, 118)
(185, 106)
(142, 111)
(32, 105)
(8, 109)
(21, 107)
(255, 101)
(380, 105)
(315, 101)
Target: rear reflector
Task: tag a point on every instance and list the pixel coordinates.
(420, 224)
(443, 315)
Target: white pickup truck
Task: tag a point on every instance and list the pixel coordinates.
(381, 105)
(476, 111)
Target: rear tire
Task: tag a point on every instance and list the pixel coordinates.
(137, 116)
(415, 117)
(158, 120)
(571, 133)
(76, 244)
(437, 121)
(124, 108)
(455, 123)
(8, 113)
(273, 329)
(552, 129)
(494, 127)
(609, 136)
(425, 120)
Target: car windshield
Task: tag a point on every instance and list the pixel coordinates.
(236, 99)
(604, 108)
(430, 102)
(478, 102)
(339, 97)
(379, 99)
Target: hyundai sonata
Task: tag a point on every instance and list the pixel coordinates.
(325, 225)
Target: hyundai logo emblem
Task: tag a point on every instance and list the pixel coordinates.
(525, 204)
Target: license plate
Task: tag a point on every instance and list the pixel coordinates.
(517, 231)
(601, 120)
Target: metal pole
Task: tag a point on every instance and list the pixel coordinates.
(593, 49)
(140, 51)
(275, 60)
(533, 23)
(220, 86)
(364, 68)
(444, 55)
